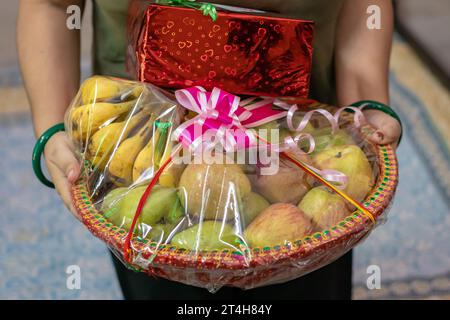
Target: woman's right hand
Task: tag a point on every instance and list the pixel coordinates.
(63, 167)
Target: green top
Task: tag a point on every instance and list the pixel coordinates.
(110, 39)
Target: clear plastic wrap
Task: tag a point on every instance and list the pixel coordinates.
(294, 188)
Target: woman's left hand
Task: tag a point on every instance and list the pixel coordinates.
(388, 129)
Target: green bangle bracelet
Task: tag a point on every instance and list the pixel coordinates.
(39, 149)
(375, 105)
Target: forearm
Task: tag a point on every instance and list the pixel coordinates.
(362, 55)
(49, 55)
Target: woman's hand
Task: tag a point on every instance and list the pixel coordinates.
(63, 167)
(388, 129)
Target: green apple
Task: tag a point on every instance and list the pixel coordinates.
(278, 224)
(252, 205)
(350, 160)
(324, 207)
(208, 235)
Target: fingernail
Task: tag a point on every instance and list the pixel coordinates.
(70, 175)
(380, 135)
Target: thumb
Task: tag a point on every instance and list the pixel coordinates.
(377, 137)
(387, 129)
(65, 160)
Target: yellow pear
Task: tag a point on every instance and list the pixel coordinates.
(350, 160)
(213, 191)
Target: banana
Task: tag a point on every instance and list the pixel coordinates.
(147, 160)
(98, 88)
(102, 143)
(87, 119)
(172, 173)
(121, 164)
(153, 156)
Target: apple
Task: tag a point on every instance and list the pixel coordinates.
(324, 207)
(278, 224)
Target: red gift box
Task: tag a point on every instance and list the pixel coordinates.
(243, 53)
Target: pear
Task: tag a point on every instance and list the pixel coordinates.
(350, 160)
(111, 200)
(288, 185)
(208, 235)
(160, 232)
(252, 205)
(278, 224)
(213, 191)
(159, 203)
(324, 207)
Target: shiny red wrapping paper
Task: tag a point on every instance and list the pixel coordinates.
(243, 53)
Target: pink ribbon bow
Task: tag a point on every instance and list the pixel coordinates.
(221, 117)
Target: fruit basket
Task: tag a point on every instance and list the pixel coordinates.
(156, 216)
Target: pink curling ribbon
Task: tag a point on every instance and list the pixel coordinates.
(291, 144)
(333, 119)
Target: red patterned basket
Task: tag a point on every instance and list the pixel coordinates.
(267, 265)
